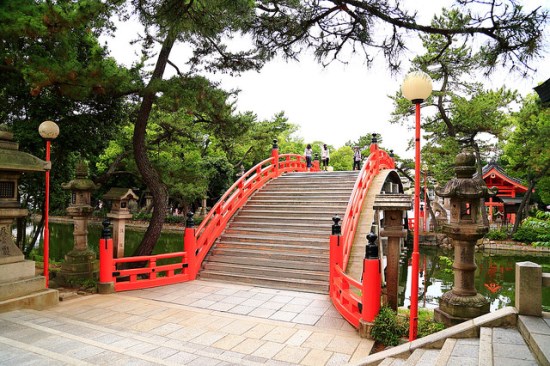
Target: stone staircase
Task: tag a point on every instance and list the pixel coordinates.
(499, 338)
(280, 238)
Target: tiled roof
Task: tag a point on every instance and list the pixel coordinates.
(498, 168)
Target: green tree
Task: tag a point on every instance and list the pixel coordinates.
(526, 149)
(506, 32)
(342, 159)
(465, 113)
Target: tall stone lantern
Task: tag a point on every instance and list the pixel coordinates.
(20, 287)
(80, 263)
(119, 198)
(465, 228)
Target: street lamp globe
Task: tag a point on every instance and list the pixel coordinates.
(417, 86)
(49, 130)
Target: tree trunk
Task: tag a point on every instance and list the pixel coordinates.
(150, 176)
(35, 236)
(431, 211)
(484, 217)
(524, 202)
(428, 201)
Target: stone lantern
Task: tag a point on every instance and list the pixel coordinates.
(80, 263)
(120, 212)
(19, 286)
(465, 228)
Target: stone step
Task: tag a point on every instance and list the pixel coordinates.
(390, 361)
(445, 352)
(289, 262)
(295, 284)
(422, 357)
(285, 228)
(259, 238)
(465, 352)
(317, 209)
(302, 201)
(308, 196)
(38, 300)
(255, 216)
(22, 287)
(252, 270)
(536, 332)
(291, 249)
(275, 254)
(278, 229)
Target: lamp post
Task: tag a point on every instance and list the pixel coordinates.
(425, 218)
(49, 131)
(417, 87)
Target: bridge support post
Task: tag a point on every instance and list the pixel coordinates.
(372, 287)
(335, 258)
(393, 206)
(190, 246)
(106, 283)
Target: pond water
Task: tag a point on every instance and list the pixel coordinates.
(61, 240)
(495, 275)
(494, 279)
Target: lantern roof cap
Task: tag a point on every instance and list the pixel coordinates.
(11, 159)
(118, 193)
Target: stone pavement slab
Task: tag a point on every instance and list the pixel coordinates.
(162, 326)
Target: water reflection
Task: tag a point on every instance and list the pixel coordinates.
(61, 241)
(494, 279)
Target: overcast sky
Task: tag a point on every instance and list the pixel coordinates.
(333, 104)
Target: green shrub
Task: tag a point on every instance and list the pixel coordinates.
(532, 230)
(428, 326)
(497, 234)
(388, 328)
(142, 216)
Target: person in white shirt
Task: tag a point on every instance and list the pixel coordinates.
(325, 156)
(307, 153)
(356, 158)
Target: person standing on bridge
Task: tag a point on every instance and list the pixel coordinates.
(325, 156)
(356, 158)
(307, 153)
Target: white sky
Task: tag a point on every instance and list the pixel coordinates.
(334, 104)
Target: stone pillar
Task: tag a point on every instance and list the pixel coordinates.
(528, 288)
(394, 207)
(119, 198)
(80, 263)
(465, 228)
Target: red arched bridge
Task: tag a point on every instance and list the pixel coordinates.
(274, 228)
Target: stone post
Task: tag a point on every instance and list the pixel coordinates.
(465, 228)
(119, 198)
(80, 263)
(394, 207)
(528, 288)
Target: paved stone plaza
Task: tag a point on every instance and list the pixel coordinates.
(196, 323)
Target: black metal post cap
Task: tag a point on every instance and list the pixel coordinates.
(106, 232)
(275, 146)
(336, 228)
(190, 222)
(374, 139)
(371, 250)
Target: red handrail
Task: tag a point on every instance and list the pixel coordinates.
(377, 160)
(346, 293)
(235, 197)
(198, 241)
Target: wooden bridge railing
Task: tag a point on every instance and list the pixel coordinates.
(353, 298)
(114, 272)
